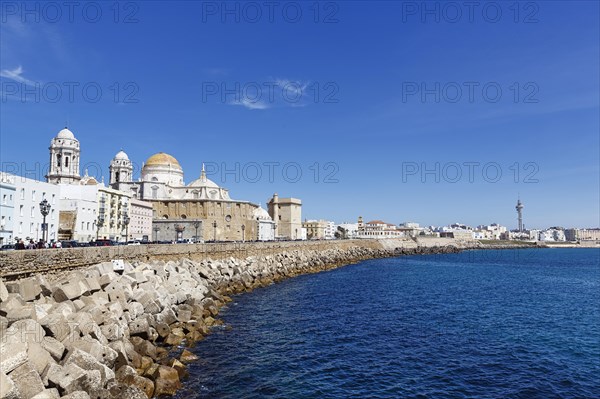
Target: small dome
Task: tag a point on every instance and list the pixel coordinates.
(163, 159)
(121, 156)
(261, 214)
(65, 134)
(203, 181)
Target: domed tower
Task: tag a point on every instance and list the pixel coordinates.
(121, 171)
(64, 159)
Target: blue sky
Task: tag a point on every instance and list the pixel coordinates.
(369, 94)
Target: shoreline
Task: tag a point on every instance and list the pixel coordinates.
(97, 333)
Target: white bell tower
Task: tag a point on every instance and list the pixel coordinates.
(64, 159)
(121, 171)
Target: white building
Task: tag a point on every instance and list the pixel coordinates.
(378, 229)
(330, 230)
(266, 225)
(7, 204)
(79, 210)
(140, 224)
(27, 218)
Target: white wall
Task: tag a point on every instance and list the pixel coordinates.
(27, 216)
(83, 200)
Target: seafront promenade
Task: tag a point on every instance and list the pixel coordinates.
(16, 264)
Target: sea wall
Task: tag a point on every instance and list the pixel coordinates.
(15, 264)
(93, 332)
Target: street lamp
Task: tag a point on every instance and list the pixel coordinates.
(126, 222)
(196, 225)
(45, 210)
(243, 233)
(215, 231)
(156, 230)
(99, 224)
(179, 228)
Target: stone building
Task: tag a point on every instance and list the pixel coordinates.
(287, 215)
(200, 210)
(315, 229)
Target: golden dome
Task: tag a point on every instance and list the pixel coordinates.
(162, 159)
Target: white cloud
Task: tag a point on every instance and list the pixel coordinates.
(16, 75)
(251, 104)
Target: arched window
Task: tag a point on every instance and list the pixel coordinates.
(117, 176)
(183, 216)
(58, 160)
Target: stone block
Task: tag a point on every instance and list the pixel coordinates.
(69, 378)
(8, 389)
(3, 291)
(51, 393)
(28, 288)
(27, 380)
(54, 347)
(12, 355)
(14, 314)
(69, 291)
(184, 315)
(166, 381)
(26, 330)
(139, 327)
(93, 284)
(39, 357)
(77, 395)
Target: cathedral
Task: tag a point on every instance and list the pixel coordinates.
(200, 210)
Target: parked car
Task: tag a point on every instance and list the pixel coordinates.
(133, 242)
(105, 243)
(7, 247)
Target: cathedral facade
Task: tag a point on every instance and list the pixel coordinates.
(200, 210)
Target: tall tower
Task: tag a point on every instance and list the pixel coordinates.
(64, 159)
(121, 170)
(519, 209)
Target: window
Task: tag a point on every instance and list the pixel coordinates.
(4, 199)
(66, 162)
(22, 194)
(20, 227)
(31, 228)
(32, 211)
(53, 199)
(21, 210)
